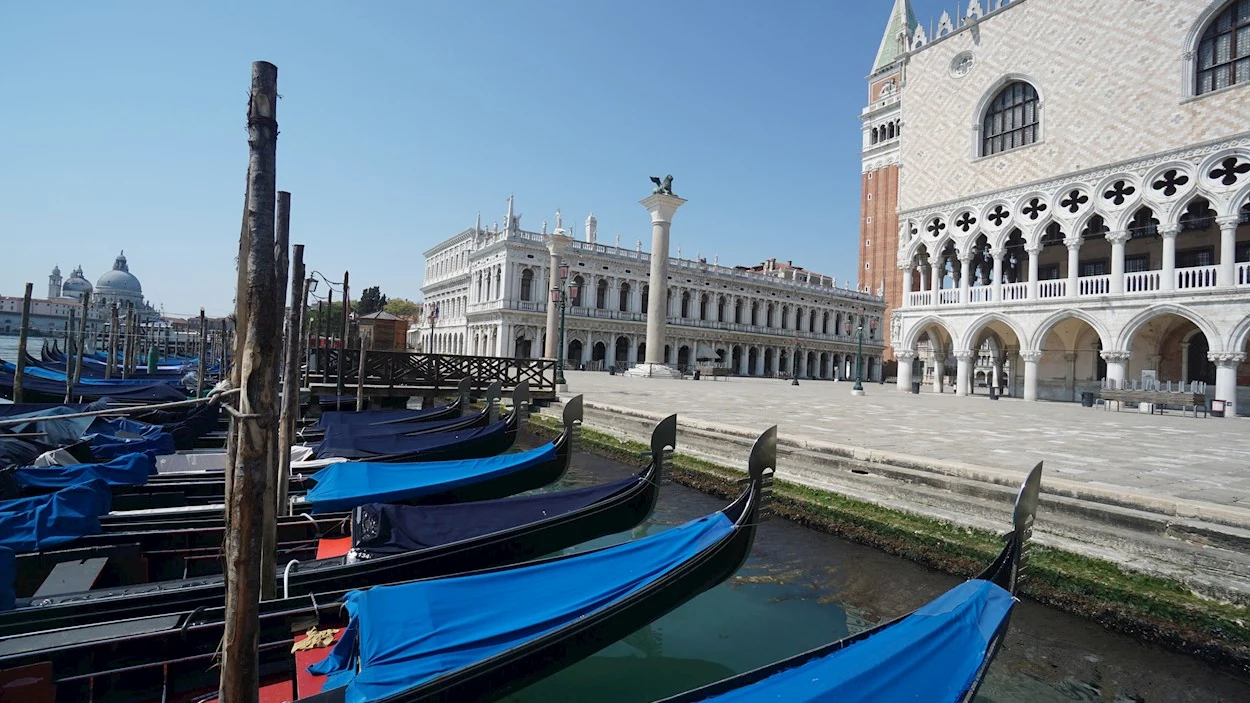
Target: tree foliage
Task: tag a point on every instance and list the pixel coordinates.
(371, 300)
(402, 307)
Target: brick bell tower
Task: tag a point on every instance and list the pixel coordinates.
(882, 127)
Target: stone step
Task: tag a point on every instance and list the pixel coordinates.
(1210, 557)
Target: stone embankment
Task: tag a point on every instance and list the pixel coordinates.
(1199, 551)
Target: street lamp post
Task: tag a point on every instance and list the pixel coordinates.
(794, 378)
(559, 296)
(858, 388)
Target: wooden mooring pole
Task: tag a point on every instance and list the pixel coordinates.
(347, 311)
(82, 336)
(245, 562)
(129, 341)
(281, 257)
(108, 370)
(21, 344)
(360, 377)
(290, 378)
(69, 360)
(199, 384)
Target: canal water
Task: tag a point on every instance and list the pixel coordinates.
(802, 588)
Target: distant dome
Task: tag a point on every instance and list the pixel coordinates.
(119, 281)
(76, 283)
(56, 270)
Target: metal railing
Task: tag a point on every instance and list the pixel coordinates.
(433, 371)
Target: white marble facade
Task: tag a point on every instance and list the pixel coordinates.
(492, 287)
(1115, 241)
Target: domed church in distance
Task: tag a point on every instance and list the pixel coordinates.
(118, 286)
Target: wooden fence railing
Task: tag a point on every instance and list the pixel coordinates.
(430, 371)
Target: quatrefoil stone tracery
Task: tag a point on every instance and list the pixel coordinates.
(1119, 192)
(1074, 200)
(998, 215)
(965, 221)
(1229, 171)
(1170, 182)
(936, 226)
(1034, 209)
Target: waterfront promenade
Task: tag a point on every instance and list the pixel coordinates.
(1171, 455)
(1167, 495)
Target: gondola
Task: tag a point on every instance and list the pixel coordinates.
(134, 555)
(594, 598)
(393, 423)
(939, 652)
(456, 408)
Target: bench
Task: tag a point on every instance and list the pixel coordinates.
(1159, 399)
(719, 372)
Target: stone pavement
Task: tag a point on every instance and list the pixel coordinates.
(1169, 456)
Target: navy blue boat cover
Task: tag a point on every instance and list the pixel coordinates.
(370, 417)
(932, 654)
(58, 431)
(129, 390)
(125, 470)
(346, 444)
(345, 433)
(40, 522)
(347, 484)
(386, 528)
(8, 573)
(401, 636)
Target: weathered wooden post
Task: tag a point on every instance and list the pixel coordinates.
(199, 384)
(290, 378)
(347, 311)
(245, 562)
(305, 350)
(281, 248)
(360, 378)
(325, 375)
(21, 344)
(69, 360)
(82, 336)
(113, 322)
(128, 340)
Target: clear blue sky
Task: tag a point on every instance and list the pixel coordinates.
(122, 127)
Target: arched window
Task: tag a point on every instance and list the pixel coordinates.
(1224, 50)
(646, 297)
(577, 296)
(685, 304)
(874, 135)
(624, 301)
(1011, 120)
(527, 285)
(601, 295)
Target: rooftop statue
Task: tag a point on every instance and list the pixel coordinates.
(664, 187)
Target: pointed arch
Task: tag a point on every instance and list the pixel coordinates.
(969, 338)
(1130, 329)
(912, 335)
(1239, 337)
(1039, 334)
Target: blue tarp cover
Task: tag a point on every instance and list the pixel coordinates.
(345, 485)
(32, 524)
(344, 444)
(346, 434)
(405, 528)
(8, 572)
(59, 432)
(125, 470)
(369, 417)
(154, 442)
(408, 634)
(931, 655)
(131, 390)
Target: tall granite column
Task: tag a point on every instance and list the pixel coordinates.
(661, 206)
(556, 244)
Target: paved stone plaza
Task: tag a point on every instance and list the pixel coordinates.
(1173, 456)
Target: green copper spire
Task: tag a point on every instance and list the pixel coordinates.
(898, 33)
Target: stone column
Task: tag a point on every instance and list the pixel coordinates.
(556, 244)
(1226, 378)
(997, 282)
(1030, 373)
(662, 207)
(1184, 363)
(802, 371)
(939, 369)
(1034, 252)
(1169, 232)
(1117, 366)
(1227, 274)
(1069, 383)
(936, 273)
(965, 277)
(904, 357)
(1117, 239)
(963, 371)
(906, 285)
(996, 368)
(1074, 265)
(1009, 358)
